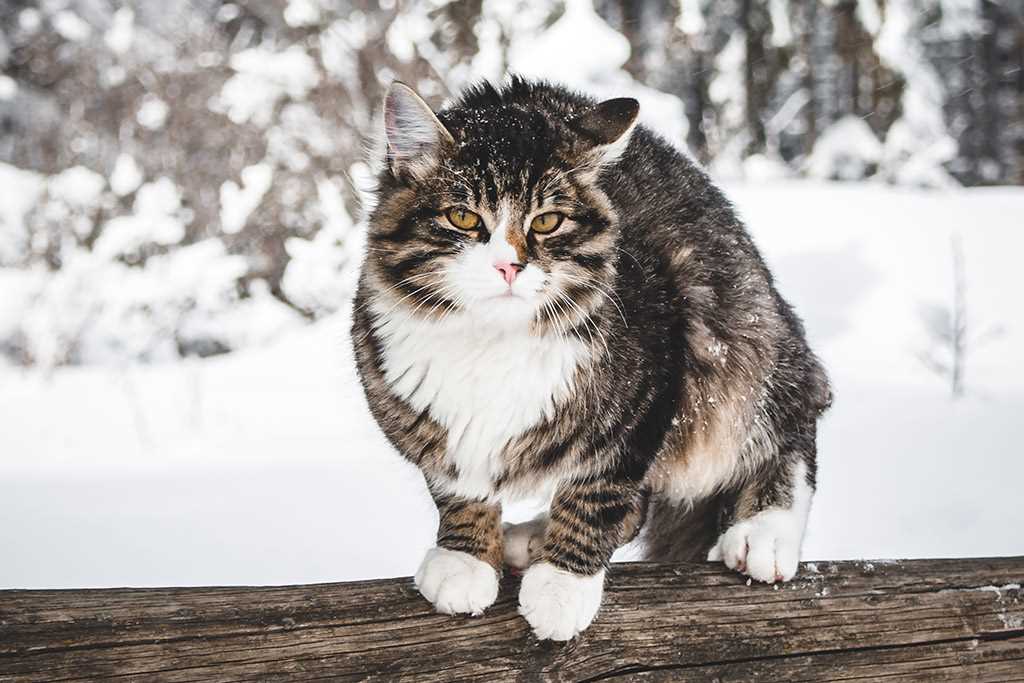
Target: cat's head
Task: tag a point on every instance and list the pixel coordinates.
(491, 209)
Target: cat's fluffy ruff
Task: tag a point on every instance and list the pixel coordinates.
(483, 382)
(642, 362)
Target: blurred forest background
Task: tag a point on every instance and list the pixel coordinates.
(186, 177)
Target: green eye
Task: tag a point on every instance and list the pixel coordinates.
(463, 219)
(546, 222)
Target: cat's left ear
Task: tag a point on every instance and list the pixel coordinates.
(416, 138)
(607, 128)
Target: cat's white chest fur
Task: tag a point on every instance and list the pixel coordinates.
(485, 384)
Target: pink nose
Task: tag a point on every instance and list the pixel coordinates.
(509, 270)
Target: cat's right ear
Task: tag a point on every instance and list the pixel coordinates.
(415, 136)
(606, 129)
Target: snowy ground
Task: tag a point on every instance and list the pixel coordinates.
(265, 467)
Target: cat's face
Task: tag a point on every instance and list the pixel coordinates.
(496, 213)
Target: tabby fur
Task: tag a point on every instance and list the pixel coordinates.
(646, 373)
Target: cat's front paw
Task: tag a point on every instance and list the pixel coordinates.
(559, 604)
(765, 547)
(456, 582)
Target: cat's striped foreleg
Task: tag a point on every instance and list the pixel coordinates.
(460, 574)
(561, 591)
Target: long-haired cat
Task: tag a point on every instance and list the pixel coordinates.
(555, 301)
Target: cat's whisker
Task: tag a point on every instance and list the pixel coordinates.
(445, 289)
(613, 298)
(554, 325)
(562, 313)
(435, 294)
(587, 321)
(551, 323)
(395, 288)
(449, 296)
(404, 298)
(588, 316)
(457, 302)
(635, 260)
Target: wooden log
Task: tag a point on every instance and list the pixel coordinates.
(950, 620)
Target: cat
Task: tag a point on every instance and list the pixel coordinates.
(554, 301)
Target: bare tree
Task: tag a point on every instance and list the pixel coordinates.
(949, 331)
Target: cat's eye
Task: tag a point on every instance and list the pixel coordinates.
(463, 219)
(546, 222)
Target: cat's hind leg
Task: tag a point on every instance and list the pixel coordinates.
(460, 575)
(768, 522)
(523, 542)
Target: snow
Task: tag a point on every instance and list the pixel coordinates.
(155, 219)
(556, 55)
(960, 17)
(121, 34)
(8, 87)
(77, 186)
(847, 150)
(71, 26)
(918, 143)
(152, 113)
(405, 32)
(22, 189)
(691, 17)
(782, 32)
(339, 45)
(126, 176)
(264, 466)
(263, 78)
(726, 89)
(238, 202)
(300, 13)
(869, 15)
(319, 277)
(30, 19)
(97, 310)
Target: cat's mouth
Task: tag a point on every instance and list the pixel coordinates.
(507, 295)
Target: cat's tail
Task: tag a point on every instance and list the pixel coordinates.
(680, 532)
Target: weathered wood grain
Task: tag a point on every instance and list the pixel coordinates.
(911, 620)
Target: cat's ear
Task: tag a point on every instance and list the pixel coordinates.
(607, 128)
(415, 136)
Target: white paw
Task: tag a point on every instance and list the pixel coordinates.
(558, 604)
(765, 547)
(522, 541)
(456, 582)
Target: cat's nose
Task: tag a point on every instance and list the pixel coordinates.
(509, 270)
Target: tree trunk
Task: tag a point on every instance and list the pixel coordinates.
(754, 23)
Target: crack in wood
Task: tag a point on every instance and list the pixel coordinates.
(639, 668)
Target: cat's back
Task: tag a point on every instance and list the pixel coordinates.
(658, 189)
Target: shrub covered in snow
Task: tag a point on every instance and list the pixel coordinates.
(321, 272)
(83, 288)
(848, 150)
(101, 310)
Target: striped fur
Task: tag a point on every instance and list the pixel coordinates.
(642, 369)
